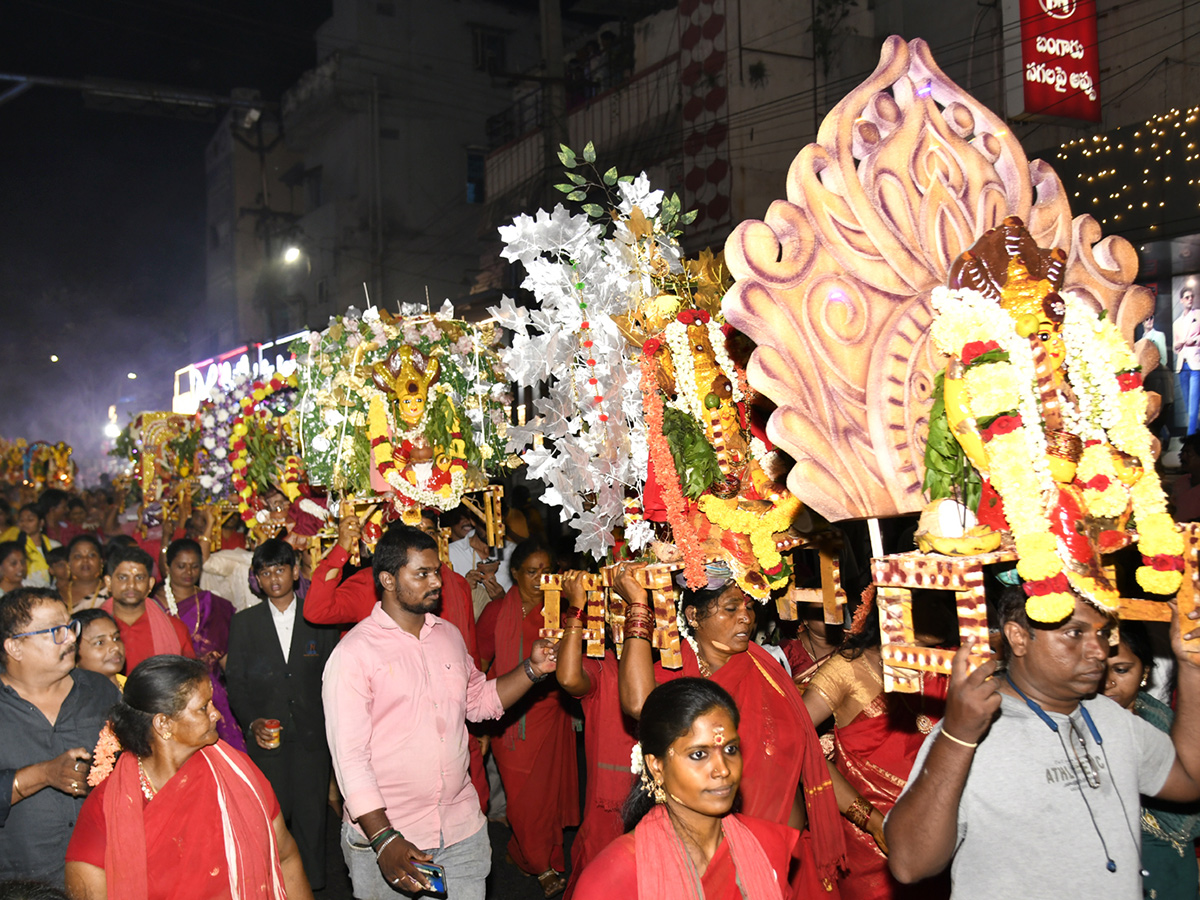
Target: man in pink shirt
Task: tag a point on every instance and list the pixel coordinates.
(398, 691)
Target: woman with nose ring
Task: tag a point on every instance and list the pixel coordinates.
(688, 842)
(786, 779)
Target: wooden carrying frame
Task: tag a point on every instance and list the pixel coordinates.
(896, 576)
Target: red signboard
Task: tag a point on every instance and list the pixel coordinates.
(1060, 59)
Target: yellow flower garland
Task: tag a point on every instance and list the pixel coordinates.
(761, 528)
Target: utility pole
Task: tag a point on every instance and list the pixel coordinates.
(554, 91)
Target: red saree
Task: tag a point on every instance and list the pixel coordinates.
(875, 751)
(780, 752)
(536, 751)
(207, 834)
(608, 739)
(651, 864)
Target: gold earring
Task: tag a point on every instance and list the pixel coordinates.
(1145, 681)
(653, 788)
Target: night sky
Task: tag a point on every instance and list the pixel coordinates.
(102, 232)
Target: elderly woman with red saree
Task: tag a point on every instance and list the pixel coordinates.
(785, 777)
(687, 843)
(608, 734)
(181, 814)
(207, 618)
(876, 737)
(536, 751)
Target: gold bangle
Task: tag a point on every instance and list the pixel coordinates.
(17, 787)
(859, 813)
(959, 741)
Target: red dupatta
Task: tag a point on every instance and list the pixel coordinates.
(245, 836)
(780, 747)
(665, 871)
(162, 633)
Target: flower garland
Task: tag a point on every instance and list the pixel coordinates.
(1101, 359)
(684, 364)
(1103, 491)
(668, 477)
(973, 329)
(169, 596)
(1111, 402)
(381, 443)
(761, 528)
(239, 459)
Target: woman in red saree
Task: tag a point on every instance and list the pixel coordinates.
(536, 751)
(785, 777)
(876, 737)
(687, 844)
(608, 734)
(181, 815)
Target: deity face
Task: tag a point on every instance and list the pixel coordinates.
(1052, 342)
(412, 405)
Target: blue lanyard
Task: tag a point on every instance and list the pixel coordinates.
(1045, 717)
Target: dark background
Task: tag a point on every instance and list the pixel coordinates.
(102, 232)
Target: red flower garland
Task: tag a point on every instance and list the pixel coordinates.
(668, 476)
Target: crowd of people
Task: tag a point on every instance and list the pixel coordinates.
(158, 739)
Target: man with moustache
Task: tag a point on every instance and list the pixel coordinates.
(146, 629)
(1030, 784)
(50, 716)
(398, 692)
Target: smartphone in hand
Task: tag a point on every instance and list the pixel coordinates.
(435, 875)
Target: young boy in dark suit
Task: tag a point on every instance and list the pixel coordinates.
(274, 670)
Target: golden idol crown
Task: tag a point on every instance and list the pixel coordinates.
(400, 375)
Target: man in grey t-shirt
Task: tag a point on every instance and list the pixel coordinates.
(1030, 785)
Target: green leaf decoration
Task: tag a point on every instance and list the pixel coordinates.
(593, 210)
(627, 179)
(689, 217)
(695, 459)
(565, 188)
(589, 152)
(948, 472)
(577, 195)
(610, 177)
(576, 178)
(566, 156)
(991, 356)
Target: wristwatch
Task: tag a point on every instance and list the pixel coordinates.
(532, 675)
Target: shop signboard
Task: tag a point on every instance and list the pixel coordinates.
(1052, 59)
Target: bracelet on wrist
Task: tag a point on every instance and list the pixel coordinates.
(381, 835)
(17, 788)
(572, 612)
(859, 813)
(959, 741)
(387, 840)
(531, 674)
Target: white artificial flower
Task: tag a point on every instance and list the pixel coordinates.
(320, 443)
(206, 482)
(210, 443)
(220, 453)
(222, 415)
(637, 193)
(208, 421)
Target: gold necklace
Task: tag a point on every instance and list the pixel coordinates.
(148, 790)
(705, 671)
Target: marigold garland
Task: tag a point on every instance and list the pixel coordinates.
(238, 455)
(668, 477)
(761, 528)
(1111, 403)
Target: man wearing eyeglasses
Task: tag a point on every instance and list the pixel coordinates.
(1030, 785)
(50, 717)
